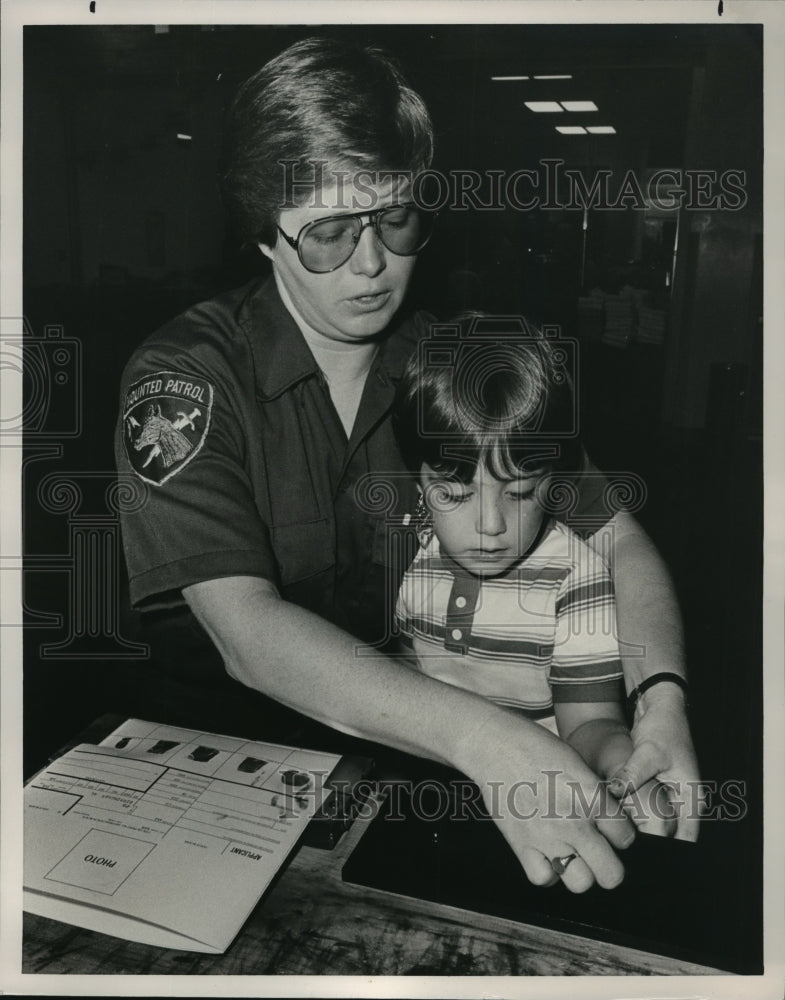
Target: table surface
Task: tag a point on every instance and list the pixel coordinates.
(313, 923)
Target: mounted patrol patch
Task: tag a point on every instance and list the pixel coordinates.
(166, 417)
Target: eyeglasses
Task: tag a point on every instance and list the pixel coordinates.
(326, 244)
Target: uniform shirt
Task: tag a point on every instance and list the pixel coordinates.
(344, 364)
(227, 418)
(543, 632)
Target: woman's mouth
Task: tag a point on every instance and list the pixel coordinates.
(370, 303)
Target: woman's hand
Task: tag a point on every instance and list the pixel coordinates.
(549, 804)
(651, 642)
(663, 751)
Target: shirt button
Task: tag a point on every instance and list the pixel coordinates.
(460, 602)
(456, 634)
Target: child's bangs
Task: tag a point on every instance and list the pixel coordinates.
(511, 458)
(507, 458)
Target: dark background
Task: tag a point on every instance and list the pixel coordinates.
(123, 229)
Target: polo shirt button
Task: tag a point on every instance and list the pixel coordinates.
(456, 634)
(460, 602)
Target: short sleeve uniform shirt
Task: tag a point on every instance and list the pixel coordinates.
(228, 422)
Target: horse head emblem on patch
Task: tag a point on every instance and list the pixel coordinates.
(165, 422)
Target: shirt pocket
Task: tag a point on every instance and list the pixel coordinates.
(303, 550)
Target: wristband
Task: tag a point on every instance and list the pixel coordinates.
(634, 695)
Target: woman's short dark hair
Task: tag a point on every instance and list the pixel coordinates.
(474, 396)
(322, 99)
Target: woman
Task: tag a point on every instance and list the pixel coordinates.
(260, 420)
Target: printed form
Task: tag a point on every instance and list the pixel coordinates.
(163, 835)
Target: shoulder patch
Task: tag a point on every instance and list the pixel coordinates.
(166, 417)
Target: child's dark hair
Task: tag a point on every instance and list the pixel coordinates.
(470, 396)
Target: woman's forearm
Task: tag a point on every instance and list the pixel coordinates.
(649, 620)
(301, 660)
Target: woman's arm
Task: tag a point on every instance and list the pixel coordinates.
(306, 663)
(650, 640)
(650, 629)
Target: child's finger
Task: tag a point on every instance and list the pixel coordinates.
(645, 762)
(652, 810)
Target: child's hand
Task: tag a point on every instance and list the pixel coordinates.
(651, 809)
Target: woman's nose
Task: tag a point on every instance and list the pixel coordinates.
(368, 257)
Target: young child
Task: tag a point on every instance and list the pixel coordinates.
(503, 599)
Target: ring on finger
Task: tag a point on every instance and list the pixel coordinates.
(560, 864)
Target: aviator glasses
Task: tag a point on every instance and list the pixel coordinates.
(326, 244)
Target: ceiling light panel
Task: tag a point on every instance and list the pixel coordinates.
(579, 106)
(543, 106)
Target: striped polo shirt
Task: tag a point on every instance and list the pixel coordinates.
(543, 632)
